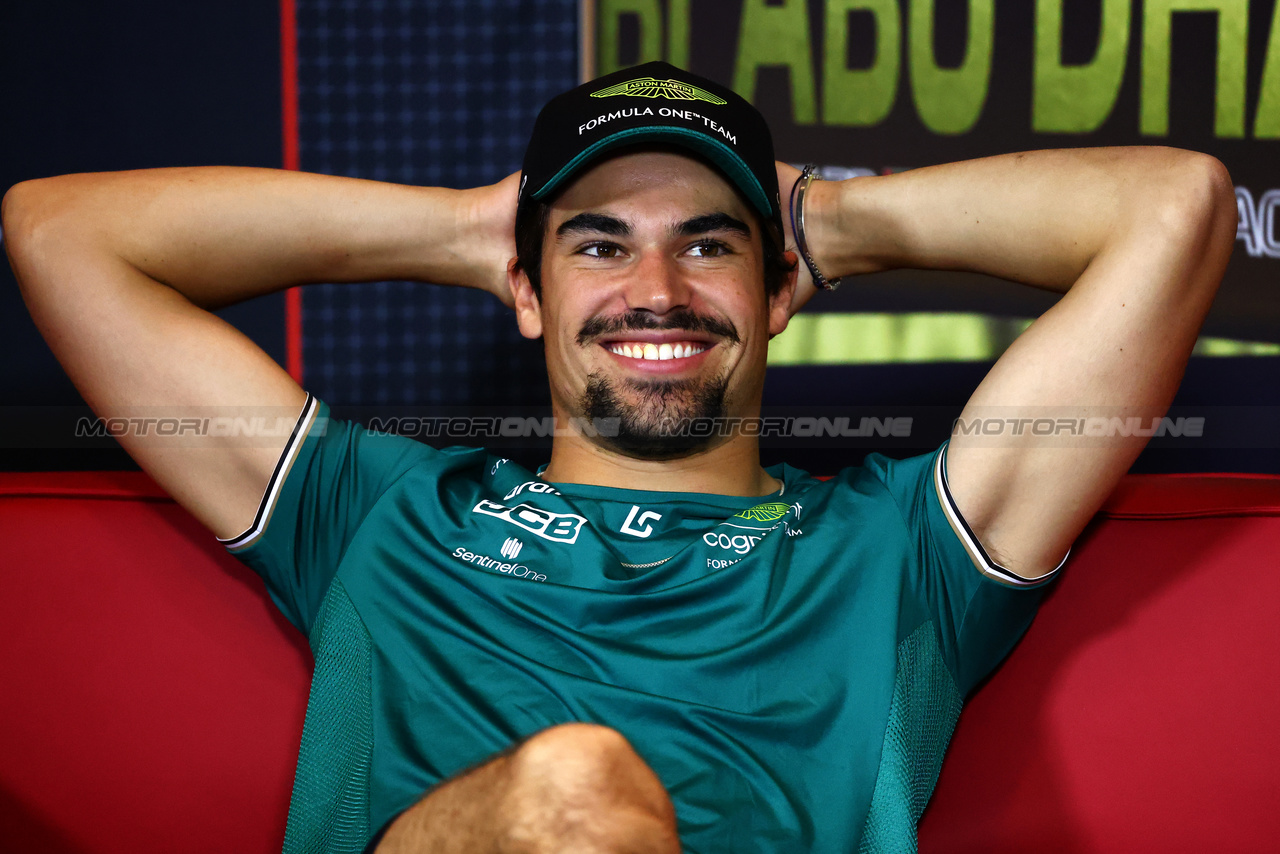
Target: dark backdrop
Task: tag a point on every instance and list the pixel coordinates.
(427, 92)
(92, 86)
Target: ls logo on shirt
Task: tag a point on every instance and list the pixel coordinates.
(557, 527)
(639, 527)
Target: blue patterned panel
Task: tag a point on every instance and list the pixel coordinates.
(437, 93)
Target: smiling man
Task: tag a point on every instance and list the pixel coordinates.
(655, 317)
(651, 644)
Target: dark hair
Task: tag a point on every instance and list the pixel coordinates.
(533, 217)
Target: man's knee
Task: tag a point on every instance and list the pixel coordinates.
(571, 750)
(586, 784)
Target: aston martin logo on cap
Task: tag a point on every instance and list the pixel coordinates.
(650, 87)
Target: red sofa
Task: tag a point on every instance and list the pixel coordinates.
(151, 699)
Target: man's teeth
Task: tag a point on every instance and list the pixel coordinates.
(656, 352)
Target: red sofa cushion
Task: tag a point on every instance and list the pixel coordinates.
(1142, 710)
(151, 698)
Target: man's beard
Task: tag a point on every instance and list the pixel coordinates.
(658, 425)
(661, 425)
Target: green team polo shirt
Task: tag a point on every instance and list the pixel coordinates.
(791, 665)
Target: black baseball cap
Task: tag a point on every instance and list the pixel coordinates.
(653, 103)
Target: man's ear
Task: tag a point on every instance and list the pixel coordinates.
(528, 307)
(781, 304)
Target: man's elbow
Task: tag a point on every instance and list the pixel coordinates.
(14, 214)
(1197, 215)
(1207, 201)
(24, 215)
(38, 221)
(1214, 199)
(18, 226)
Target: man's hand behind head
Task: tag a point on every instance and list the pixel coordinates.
(486, 240)
(805, 289)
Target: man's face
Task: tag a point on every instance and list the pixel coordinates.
(653, 308)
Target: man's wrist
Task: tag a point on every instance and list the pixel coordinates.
(844, 227)
(484, 237)
(801, 217)
(826, 243)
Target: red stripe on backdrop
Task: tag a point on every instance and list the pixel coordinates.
(289, 127)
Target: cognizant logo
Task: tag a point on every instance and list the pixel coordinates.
(740, 543)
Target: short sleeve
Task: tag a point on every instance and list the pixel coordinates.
(980, 608)
(328, 478)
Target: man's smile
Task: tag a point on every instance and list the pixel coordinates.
(640, 341)
(651, 352)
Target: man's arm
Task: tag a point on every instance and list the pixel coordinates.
(120, 270)
(1137, 240)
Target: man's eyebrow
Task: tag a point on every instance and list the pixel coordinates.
(713, 222)
(593, 223)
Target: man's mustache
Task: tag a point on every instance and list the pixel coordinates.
(635, 320)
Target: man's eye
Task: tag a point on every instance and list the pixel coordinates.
(602, 250)
(709, 249)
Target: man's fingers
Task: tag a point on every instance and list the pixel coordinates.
(787, 175)
(805, 289)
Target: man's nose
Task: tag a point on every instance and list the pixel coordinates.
(657, 285)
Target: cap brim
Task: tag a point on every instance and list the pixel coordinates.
(718, 153)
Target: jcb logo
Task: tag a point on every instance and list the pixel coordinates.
(1257, 225)
(557, 527)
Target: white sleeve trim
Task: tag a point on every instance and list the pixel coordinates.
(272, 492)
(969, 540)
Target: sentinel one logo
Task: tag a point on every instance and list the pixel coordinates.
(515, 570)
(511, 548)
(650, 87)
(557, 527)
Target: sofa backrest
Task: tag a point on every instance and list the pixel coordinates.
(1142, 710)
(151, 698)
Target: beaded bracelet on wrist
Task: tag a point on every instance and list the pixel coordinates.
(798, 191)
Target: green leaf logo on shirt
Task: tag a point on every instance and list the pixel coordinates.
(771, 512)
